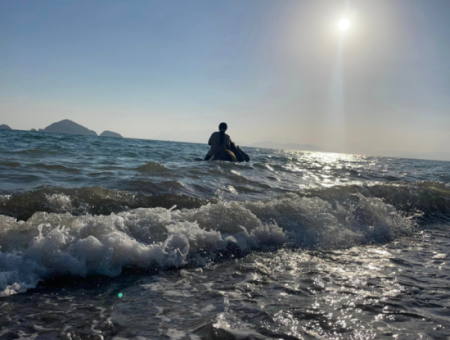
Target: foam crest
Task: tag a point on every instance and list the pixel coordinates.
(49, 245)
(59, 202)
(353, 220)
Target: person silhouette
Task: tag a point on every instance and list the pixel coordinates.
(219, 142)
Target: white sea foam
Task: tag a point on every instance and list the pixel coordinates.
(49, 245)
(4, 199)
(59, 202)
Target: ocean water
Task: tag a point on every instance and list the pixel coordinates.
(104, 238)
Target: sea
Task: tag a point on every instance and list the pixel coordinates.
(106, 238)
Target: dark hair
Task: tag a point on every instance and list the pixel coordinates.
(222, 128)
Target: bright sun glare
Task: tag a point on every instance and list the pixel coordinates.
(343, 24)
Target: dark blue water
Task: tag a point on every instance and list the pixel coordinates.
(292, 245)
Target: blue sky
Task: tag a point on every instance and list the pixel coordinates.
(270, 69)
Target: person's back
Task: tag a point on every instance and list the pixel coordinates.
(219, 141)
(216, 143)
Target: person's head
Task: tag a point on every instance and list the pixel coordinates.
(223, 127)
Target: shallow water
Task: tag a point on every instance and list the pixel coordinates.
(293, 245)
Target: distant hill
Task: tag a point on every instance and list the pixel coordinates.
(288, 146)
(4, 127)
(68, 127)
(107, 133)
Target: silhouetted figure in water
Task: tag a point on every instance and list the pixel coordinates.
(219, 142)
(223, 149)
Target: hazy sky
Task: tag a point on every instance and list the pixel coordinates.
(274, 70)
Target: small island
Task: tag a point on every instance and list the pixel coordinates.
(107, 133)
(68, 127)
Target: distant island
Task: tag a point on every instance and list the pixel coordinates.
(4, 127)
(107, 133)
(68, 127)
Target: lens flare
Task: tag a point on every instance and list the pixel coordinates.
(343, 24)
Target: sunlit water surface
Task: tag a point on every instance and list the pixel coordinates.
(293, 245)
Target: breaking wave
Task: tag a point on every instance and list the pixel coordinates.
(55, 244)
(430, 200)
(92, 200)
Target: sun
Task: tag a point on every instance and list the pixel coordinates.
(343, 24)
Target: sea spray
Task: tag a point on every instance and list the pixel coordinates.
(49, 245)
